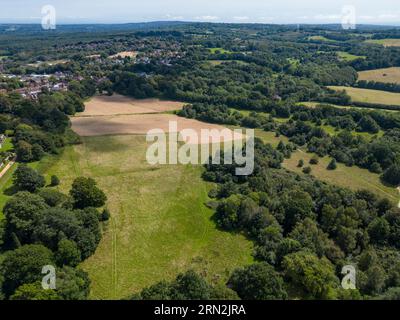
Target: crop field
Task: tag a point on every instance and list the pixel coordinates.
(160, 225)
(353, 178)
(122, 105)
(385, 42)
(345, 56)
(371, 96)
(388, 75)
(121, 115)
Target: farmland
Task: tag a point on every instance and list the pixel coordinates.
(370, 96)
(345, 56)
(385, 42)
(120, 105)
(160, 225)
(388, 75)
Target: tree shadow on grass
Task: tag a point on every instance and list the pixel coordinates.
(11, 191)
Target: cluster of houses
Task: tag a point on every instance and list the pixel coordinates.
(34, 84)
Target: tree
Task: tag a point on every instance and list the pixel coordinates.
(314, 160)
(28, 179)
(190, 286)
(258, 282)
(72, 284)
(159, 291)
(392, 175)
(301, 163)
(298, 206)
(34, 291)
(314, 276)
(85, 193)
(22, 213)
(24, 265)
(307, 170)
(332, 165)
(68, 253)
(24, 151)
(55, 181)
(54, 198)
(379, 231)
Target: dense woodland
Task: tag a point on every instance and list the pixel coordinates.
(304, 230)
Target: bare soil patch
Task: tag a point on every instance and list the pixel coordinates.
(124, 54)
(141, 124)
(121, 105)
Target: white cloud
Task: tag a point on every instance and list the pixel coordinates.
(327, 17)
(207, 18)
(241, 18)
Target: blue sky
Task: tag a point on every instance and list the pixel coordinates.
(258, 11)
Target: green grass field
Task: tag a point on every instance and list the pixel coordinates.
(371, 96)
(353, 178)
(221, 50)
(320, 38)
(385, 42)
(345, 56)
(160, 225)
(387, 75)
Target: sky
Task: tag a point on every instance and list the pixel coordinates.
(239, 11)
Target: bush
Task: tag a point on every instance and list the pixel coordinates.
(307, 170)
(332, 165)
(105, 215)
(55, 181)
(314, 160)
(85, 193)
(300, 164)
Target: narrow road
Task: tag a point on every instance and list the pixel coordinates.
(6, 168)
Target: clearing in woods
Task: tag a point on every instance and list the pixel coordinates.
(385, 42)
(353, 178)
(160, 225)
(370, 96)
(387, 75)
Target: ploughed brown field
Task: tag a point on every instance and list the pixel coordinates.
(117, 104)
(119, 115)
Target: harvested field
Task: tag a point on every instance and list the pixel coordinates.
(370, 96)
(124, 54)
(387, 75)
(141, 124)
(121, 105)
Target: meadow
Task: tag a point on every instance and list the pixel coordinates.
(353, 178)
(370, 96)
(345, 56)
(388, 75)
(385, 42)
(160, 225)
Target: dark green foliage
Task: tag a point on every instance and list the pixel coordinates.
(258, 282)
(54, 181)
(332, 165)
(392, 175)
(34, 291)
(68, 253)
(24, 265)
(28, 179)
(307, 170)
(85, 193)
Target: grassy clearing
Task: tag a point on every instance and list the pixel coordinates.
(353, 178)
(320, 38)
(387, 75)
(160, 225)
(312, 104)
(345, 56)
(385, 42)
(219, 50)
(370, 96)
